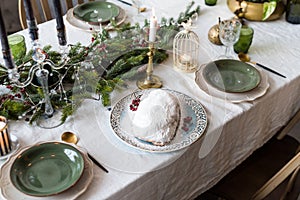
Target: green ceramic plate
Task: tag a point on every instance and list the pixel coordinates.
(231, 75)
(47, 169)
(94, 11)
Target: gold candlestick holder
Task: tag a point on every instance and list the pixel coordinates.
(151, 81)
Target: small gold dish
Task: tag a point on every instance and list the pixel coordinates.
(254, 11)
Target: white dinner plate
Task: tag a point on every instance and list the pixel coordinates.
(72, 20)
(251, 95)
(184, 136)
(8, 191)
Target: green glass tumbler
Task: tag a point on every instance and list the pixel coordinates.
(245, 40)
(17, 46)
(293, 11)
(210, 2)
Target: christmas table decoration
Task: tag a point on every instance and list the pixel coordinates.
(84, 71)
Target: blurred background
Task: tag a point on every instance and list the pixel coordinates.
(11, 15)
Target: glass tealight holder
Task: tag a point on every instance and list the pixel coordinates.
(186, 50)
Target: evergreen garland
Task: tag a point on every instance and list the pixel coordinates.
(94, 69)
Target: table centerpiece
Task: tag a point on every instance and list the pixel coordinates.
(98, 68)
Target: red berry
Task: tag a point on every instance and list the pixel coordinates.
(18, 95)
(11, 97)
(135, 103)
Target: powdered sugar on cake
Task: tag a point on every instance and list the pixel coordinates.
(157, 117)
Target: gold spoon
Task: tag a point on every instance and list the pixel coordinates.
(72, 138)
(246, 58)
(142, 9)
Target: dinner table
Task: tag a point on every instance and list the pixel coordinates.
(234, 129)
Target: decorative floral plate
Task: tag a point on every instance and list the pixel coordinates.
(251, 95)
(72, 20)
(193, 122)
(8, 191)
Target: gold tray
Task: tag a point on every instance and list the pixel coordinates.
(254, 11)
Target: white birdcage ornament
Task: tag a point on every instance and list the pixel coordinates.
(186, 49)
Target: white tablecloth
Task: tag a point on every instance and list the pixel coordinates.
(234, 131)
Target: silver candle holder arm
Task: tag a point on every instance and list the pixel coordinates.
(39, 56)
(42, 75)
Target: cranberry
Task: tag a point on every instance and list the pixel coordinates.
(9, 87)
(135, 103)
(18, 95)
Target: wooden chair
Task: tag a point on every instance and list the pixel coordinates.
(252, 173)
(41, 10)
(290, 169)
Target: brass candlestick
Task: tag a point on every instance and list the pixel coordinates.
(151, 81)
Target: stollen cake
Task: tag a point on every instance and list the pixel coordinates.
(156, 117)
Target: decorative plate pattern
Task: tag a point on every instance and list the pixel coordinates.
(193, 122)
(72, 20)
(8, 191)
(251, 95)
